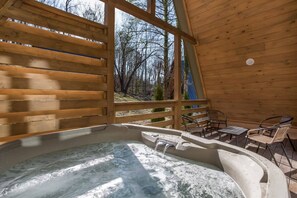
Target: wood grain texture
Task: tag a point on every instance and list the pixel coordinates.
(42, 38)
(50, 81)
(229, 32)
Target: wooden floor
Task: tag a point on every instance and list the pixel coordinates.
(291, 173)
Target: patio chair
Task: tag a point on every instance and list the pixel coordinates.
(258, 135)
(216, 119)
(198, 129)
(271, 124)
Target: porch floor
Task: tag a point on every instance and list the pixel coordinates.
(291, 173)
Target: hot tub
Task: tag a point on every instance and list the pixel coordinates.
(134, 161)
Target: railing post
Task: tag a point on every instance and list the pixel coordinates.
(177, 81)
(109, 20)
(151, 7)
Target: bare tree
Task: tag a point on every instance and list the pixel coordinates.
(131, 52)
(95, 13)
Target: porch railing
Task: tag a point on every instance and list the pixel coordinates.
(141, 112)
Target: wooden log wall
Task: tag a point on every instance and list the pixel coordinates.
(231, 31)
(53, 69)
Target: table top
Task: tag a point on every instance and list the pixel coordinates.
(233, 130)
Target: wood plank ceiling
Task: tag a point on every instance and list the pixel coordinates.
(229, 32)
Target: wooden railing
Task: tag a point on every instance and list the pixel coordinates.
(134, 112)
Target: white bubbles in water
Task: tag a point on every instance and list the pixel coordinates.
(120, 169)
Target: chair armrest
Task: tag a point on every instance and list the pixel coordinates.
(253, 131)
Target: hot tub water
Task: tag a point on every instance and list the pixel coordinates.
(120, 169)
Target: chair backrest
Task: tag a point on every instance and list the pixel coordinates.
(275, 121)
(281, 133)
(216, 115)
(286, 120)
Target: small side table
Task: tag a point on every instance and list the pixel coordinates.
(233, 131)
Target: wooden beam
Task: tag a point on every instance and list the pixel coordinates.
(151, 7)
(177, 81)
(5, 4)
(110, 22)
(148, 17)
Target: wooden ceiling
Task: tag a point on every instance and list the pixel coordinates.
(231, 31)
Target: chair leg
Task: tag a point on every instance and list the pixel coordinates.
(282, 145)
(203, 132)
(272, 154)
(258, 148)
(291, 142)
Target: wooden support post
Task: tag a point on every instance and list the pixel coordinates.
(151, 7)
(177, 81)
(110, 22)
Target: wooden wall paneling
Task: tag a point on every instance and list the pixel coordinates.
(229, 32)
(267, 12)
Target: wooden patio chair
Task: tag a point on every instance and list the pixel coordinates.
(258, 135)
(216, 119)
(201, 129)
